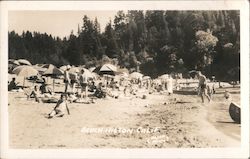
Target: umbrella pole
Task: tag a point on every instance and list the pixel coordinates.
(23, 81)
(53, 85)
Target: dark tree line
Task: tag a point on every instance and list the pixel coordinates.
(153, 42)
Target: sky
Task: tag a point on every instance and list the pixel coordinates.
(56, 23)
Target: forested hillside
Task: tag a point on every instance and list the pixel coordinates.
(153, 42)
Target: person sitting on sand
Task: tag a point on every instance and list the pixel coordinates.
(60, 108)
(99, 93)
(35, 94)
(92, 87)
(203, 86)
(13, 85)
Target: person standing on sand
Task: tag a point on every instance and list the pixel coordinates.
(169, 85)
(66, 79)
(84, 84)
(203, 86)
(73, 81)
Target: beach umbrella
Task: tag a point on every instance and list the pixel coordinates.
(53, 71)
(164, 76)
(228, 45)
(47, 65)
(14, 62)
(63, 68)
(106, 69)
(39, 69)
(24, 62)
(124, 75)
(87, 73)
(25, 71)
(91, 69)
(146, 78)
(95, 75)
(136, 75)
(74, 70)
(192, 73)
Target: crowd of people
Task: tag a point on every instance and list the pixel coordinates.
(80, 87)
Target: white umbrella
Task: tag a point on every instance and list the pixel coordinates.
(87, 73)
(165, 76)
(12, 61)
(25, 71)
(63, 68)
(91, 69)
(136, 75)
(146, 78)
(74, 70)
(24, 62)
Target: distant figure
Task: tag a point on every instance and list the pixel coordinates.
(203, 86)
(35, 94)
(13, 85)
(60, 108)
(73, 81)
(44, 88)
(169, 85)
(66, 79)
(227, 95)
(84, 84)
(210, 90)
(99, 93)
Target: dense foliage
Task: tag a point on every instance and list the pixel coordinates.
(153, 42)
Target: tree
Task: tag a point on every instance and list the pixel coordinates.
(204, 47)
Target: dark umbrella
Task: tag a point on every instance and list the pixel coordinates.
(108, 69)
(53, 71)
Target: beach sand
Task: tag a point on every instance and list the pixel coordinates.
(159, 121)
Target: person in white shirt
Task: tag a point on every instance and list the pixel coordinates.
(169, 85)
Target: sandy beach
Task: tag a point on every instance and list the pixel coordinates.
(159, 121)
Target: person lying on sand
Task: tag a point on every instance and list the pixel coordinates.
(60, 108)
